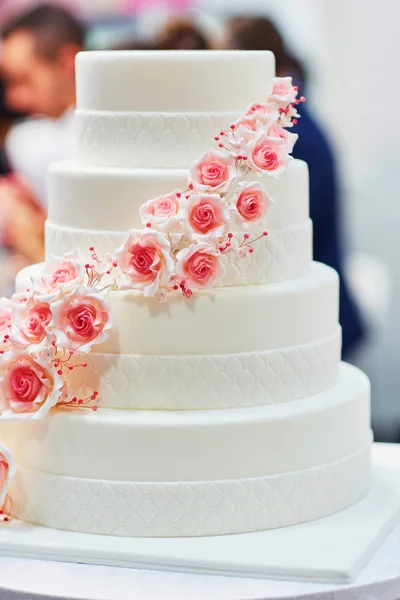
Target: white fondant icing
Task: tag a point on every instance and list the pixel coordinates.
(173, 81)
(184, 509)
(284, 254)
(176, 446)
(211, 381)
(107, 199)
(224, 320)
(147, 140)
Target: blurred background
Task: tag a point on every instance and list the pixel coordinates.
(344, 56)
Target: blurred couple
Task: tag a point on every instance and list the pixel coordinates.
(37, 66)
(38, 52)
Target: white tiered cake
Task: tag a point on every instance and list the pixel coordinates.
(222, 413)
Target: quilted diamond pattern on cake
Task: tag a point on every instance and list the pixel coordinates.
(285, 254)
(189, 508)
(145, 139)
(215, 381)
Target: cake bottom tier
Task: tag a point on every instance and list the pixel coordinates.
(194, 473)
(185, 509)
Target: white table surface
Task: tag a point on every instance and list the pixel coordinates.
(22, 579)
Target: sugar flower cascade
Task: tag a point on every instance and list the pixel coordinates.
(223, 209)
(46, 332)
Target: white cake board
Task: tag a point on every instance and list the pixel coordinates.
(332, 550)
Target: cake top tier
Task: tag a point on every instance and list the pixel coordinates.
(172, 81)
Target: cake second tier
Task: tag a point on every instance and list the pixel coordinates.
(96, 207)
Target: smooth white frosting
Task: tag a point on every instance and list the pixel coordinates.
(224, 320)
(106, 199)
(172, 81)
(118, 445)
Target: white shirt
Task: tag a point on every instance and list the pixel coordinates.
(32, 145)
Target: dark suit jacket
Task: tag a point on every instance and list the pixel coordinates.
(313, 147)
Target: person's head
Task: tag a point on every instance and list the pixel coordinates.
(181, 34)
(38, 60)
(260, 33)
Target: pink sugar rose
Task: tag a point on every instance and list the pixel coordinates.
(5, 317)
(283, 92)
(204, 216)
(7, 472)
(268, 155)
(264, 112)
(289, 139)
(250, 203)
(213, 172)
(31, 319)
(61, 274)
(80, 319)
(145, 261)
(200, 265)
(243, 130)
(161, 212)
(29, 387)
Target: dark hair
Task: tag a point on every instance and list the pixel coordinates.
(260, 33)
(52, 27)
(181, 34)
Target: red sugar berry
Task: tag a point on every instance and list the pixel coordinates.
(265, 233)
(302, 98)
(93, 397)
(187, 197)
(91, 249)
(222, 133)
(80, 401)
(71, 368)
(60, 372)
(148, 225)
(244, 157)
(6, 519)
(190, 186)
(178, 194)
(53, 343)
(216, 138)
(95, 393)
(94, 408)
(294, 121)
(246, 236)
(115, 264)
(230, 235)
(176, 287)
(84, 364)
(220, 145)
(251, 250)
(232, 126)
(183, 282)
(228, 244)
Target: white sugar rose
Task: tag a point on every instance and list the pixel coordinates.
(30, 387)
(80, 320)
(289, 139)
(250, 203)
(61, 274)
(145, 261)
(268, 155)
(200, 266)
(204, 216)
(283, 91)
(8, 469)
(161, 212)
(30, 320)
(213, 172)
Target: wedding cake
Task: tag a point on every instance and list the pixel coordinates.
(174, 367)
